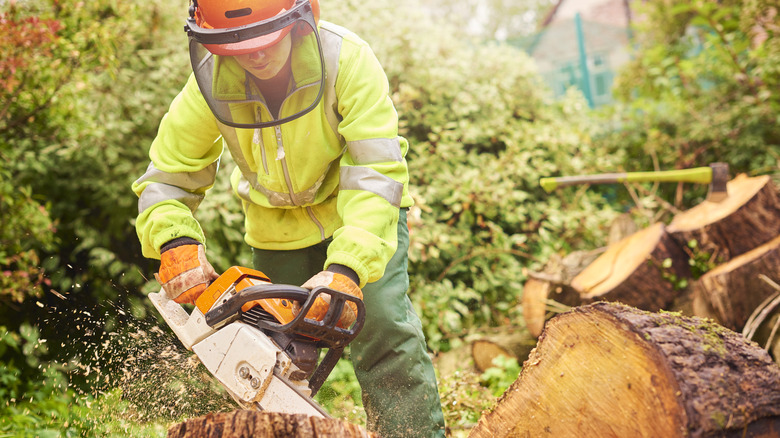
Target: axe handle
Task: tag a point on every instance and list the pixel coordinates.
(701, 175)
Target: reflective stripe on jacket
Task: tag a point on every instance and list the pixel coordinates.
(337, 171)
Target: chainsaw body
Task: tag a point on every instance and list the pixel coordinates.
(256, 339)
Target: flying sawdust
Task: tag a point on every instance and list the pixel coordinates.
(159, 379)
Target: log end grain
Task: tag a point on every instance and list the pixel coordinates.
(618, 262)
(644, 270)
(746, 219)
(740, 190)
(610, 370)
(535, 293)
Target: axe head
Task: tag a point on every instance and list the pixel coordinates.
(720, 176)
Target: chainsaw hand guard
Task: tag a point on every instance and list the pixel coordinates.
(325, 331)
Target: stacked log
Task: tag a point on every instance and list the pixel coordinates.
(609, 370)
(513, 344)
(746, 219)
(734, 289)
(640, 270)
(650, 269)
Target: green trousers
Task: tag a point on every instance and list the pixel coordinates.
(389, 355)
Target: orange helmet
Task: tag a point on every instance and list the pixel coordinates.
(248, 25)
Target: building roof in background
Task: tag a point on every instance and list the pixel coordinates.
(560, 38)
(605, 23)
(611, 12)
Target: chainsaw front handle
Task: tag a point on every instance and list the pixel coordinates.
(326, 330)
(232, 305)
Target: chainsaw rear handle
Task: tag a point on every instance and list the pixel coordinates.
(326, 330)
(700, 175)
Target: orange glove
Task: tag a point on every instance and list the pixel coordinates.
(337, 282)
(184, 271)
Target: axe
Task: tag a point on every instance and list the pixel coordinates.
(716, 175)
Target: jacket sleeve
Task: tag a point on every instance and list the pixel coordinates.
(184, 160)
(373, 173)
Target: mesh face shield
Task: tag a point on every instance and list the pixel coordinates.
(233, 93)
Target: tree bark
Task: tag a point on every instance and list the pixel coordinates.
(609, 370)
(734, 289)
(641, 270)
(257, 424)
(746, 219)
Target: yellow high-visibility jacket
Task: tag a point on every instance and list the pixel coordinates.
(338, 171)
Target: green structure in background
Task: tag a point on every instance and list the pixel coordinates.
(573, 50)
(585, 78)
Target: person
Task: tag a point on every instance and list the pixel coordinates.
(303, 107)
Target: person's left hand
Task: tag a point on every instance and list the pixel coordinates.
(337, 282)
(185, 272)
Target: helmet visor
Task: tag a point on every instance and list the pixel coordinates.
(242, 84)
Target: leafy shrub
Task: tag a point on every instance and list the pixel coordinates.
(502, 374)
(27, 230)
(702, 87)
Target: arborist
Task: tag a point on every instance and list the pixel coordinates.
(303, 107)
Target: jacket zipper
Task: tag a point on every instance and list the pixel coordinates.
(280, 155)
(257, 140)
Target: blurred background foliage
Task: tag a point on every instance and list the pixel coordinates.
(83, 86)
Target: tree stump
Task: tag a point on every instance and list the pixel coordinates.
(257, 424)
(641, 270)
(733, 290)
(746, 219)
(610, 370)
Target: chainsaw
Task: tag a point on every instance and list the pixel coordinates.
(259, 341)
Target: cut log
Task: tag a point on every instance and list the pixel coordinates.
(538, 297)
(544, 289)
(512, 344)
(256, 424)
(734, 289)
(609, 370)
(641, 270)
(746, 219)
(475, 352)
(535, 293)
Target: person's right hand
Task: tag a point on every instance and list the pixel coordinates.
(184, 270)
(337, 282)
